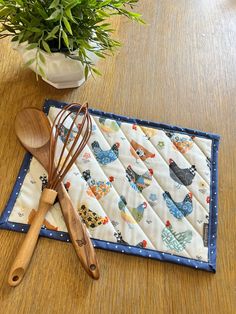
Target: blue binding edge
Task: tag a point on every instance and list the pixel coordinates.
(121, 248)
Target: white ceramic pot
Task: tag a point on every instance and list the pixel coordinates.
(60, 70)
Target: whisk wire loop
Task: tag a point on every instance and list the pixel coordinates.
(57, 172)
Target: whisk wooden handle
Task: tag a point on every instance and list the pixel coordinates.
(26, 250)
(78, 234)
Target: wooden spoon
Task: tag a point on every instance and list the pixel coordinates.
(33, 130)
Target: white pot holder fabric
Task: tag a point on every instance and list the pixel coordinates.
(141, 188)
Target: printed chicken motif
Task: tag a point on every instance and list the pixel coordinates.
(182, 142)
(119, 238)
(104, 157)
(97, 189)
(149, 132)
(175, 241)
(63, 132)
(181, 176)
(137, 181)
(109, 126)
(179, 209)
(138, 151)
(46, 223)
(90, 218)
(208, 162)
(137, 212)
(125, 215)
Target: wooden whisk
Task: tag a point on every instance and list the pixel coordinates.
(58, 168)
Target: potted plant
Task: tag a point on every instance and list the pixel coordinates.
(61, 40)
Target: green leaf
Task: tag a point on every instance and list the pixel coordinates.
(85, 44)
(20, 37)
(67, 25)
(32, 46)
(54, 4)
(15, 38)
(99, 54)
(73, 4)
(29, 62)
(102, 13)
(26, 35)
(86, 70)
(104, 3)
(42, 12)
(35, 29)
(53, 32)
(65, 39)
(69, 14)
(96, 71)
(54, 15)
(41, 71)
(4, 12)
(46, 46)
(42, 58)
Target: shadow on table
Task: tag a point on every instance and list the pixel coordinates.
(24, 87)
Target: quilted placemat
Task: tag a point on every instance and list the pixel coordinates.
(142, 188)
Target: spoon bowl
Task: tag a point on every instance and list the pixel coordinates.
(32, 128)
(33, 131)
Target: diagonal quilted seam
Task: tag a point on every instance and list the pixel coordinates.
(186, 159)
(119, 194)
(114, 229)
(184, 186)
(154, 148)
(87, 146)
(200, 134)
(196, 231)
(188, 254)
(184, 218)
(202, 147)
(186, 156)
(156, 181)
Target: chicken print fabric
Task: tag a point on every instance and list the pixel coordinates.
(139, 189)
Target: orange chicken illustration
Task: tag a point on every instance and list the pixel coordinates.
(138, 151)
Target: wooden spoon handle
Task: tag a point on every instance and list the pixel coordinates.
(26, 250)
(78, 234)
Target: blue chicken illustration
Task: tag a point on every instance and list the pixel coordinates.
(137, 212)
(139, 181)
(179, 209)
(63, 133)
(104, 157)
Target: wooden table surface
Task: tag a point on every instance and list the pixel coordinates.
(180, 69)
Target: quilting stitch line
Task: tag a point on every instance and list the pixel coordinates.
(154, 148)
(162, 222)
(141, 195)
(185, 218)
(201, 147)
(155, 125)
(95, 199)
(186, 188)
(77, 165)
(159, 186)
(187, 158)
(155, 213)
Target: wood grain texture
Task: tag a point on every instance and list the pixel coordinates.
(181, 69)
(25, 252)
